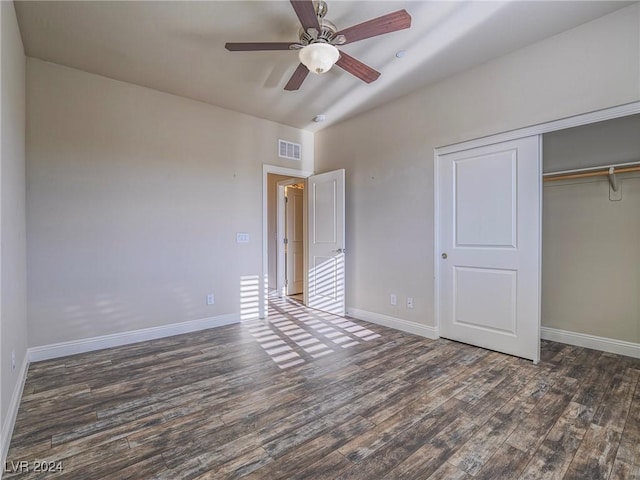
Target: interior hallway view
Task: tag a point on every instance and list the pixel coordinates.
(313, 395)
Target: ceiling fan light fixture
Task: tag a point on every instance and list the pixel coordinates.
(319, 57)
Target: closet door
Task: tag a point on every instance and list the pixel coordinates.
(489, 242)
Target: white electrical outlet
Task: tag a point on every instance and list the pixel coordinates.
(211, 299)
(393, 299)
(409, 302)
(242, 237)
(13, 360)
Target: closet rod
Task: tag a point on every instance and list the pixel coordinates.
(591, 169)
(599, 173)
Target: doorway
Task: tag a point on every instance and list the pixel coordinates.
(275, 254)
(323, 238)
(290, 239)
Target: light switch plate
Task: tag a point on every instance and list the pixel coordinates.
(242, 237)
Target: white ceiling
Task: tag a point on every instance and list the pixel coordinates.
(178, 47)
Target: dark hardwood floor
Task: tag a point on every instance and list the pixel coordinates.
(314, 396)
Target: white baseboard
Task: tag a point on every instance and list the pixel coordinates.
(610, 345)
(47, 352)
(12, 412)
(393, 322)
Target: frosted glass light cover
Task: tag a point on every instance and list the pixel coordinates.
(319, 57)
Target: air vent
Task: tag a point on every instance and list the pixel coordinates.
(288, 150)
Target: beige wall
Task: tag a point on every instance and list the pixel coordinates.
(591, 245)
(591, 259)
(134, 201)
(388, 152)
(602, 143)
(13, 308)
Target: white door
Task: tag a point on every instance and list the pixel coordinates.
(326, 247)
(489, 242)
(294, 256)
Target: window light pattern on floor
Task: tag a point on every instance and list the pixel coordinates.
(294, 334)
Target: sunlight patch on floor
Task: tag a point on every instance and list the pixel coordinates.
(295, 335)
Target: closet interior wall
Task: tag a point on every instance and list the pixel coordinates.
(591, 244)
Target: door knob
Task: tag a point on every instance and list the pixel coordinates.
(340, 250)
(444, 256)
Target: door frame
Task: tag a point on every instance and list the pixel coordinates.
(264, 278)
(280, 233)
(539, 129)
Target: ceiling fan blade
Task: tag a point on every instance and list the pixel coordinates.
(297, 78)
(378, 26)
(357, 68)
(251, 47)
(306, 13)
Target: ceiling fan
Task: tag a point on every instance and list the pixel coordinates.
(318, 40)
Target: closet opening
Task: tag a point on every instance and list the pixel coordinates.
(591, 235)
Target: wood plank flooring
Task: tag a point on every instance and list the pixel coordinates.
(314, 396)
